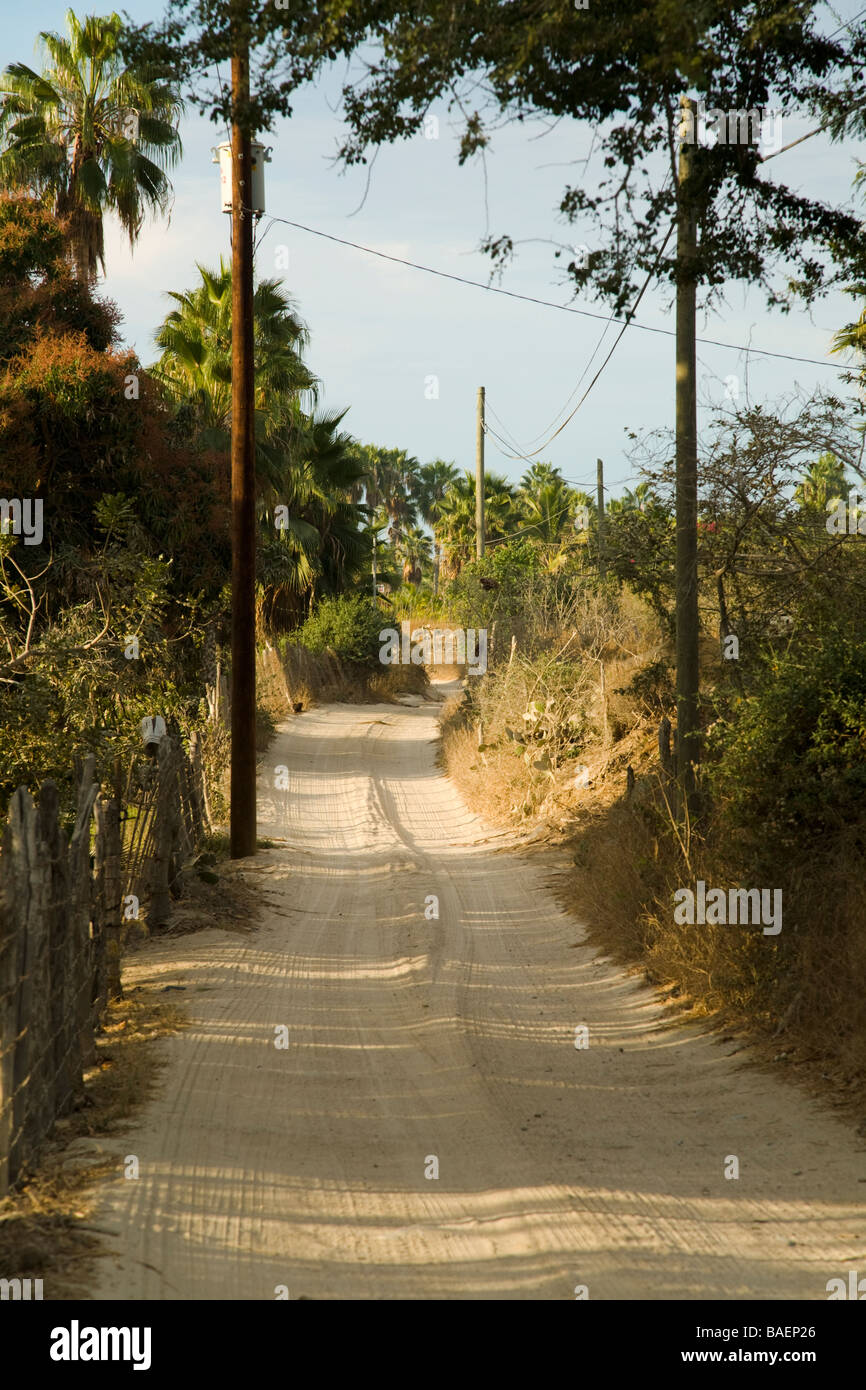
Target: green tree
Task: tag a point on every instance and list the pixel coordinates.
(434, 480)
(390, 486)
(316, 544)
(823, 480)
(90, 134)
(457, 516)
(537, 474)
(548, 507)
(415, 549)
(134, 526)
(625, 72)
(195, 367)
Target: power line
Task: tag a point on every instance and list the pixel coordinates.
(614, 346)
(616, 341)
(818, 129)
(508, 444)
(562, 511)
(846, 25)
(598, 345)
(547, 303)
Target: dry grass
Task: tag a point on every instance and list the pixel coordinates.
(798, 1000)
(539, 737)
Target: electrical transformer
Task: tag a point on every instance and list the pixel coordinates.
(261, 155)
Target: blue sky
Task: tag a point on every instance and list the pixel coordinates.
(380, 330)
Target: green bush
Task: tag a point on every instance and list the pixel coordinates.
(788, 766)
(348, 625)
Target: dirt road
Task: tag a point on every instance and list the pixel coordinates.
(412, 1038)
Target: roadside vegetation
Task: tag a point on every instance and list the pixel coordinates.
(117, 606)
(566, 735)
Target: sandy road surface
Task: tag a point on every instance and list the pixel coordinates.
(454, 1037)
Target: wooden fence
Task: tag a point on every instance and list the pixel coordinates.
(64, 903)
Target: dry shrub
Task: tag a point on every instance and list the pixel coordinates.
(541, 710)
(301, 677)
(799, 997)
(492, 781)
(215, 743)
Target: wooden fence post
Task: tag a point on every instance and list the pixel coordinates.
(66, 1067)
(164, 835)
(61, 928)
(199, 787)
(199, 781)
(80, 908)
(605, 722)
(665, 756)
(107, 917)
(9, 985)
(32, 1104)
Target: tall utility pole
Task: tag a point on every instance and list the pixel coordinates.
(688, 731)
(243, 686)
(599, 483)
(479, 476)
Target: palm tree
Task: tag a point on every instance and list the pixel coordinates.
(457, 516)
(640, 499)
(538, 474)
(852, 338)
(398, 481)
(434, 480)
(548, 507)
(823, 480)
(415, 548)
(320, 546)
(390, 483)
(195, 368)
(89, 135)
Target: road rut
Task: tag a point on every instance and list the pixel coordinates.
(413, 1037)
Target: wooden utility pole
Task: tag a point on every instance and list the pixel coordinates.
(479, 476)
(243, 697)
(688, 731)
(599, 483)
